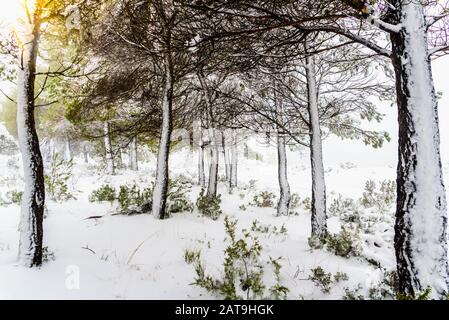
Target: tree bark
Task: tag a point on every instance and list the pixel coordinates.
(33, 202)
(68, 149)
(161, 184)
(226, 158)
(213, 166)
(421, 214)
(110, 165)
(86, 154)
(284, 187)
(201, 174)
(319, 215)
(234, 160)
(134, 163)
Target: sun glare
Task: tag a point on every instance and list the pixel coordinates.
(11, 11)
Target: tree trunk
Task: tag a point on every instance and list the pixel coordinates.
(161, 184)
(110, 166)
(319, 216)
(214, 152)
(234, 160)
(32, 212)
(226, 158)
(284, 187)
(68, 150)
(213, 166)
(133, 161)
(201, 175)
(421, 214)
(86, 154)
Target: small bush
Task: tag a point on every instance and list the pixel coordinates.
(353, 294)
(325, 280)
(191, 256)
(209, 207)
(56, 180)
(307, 204)
(177, 195)
(15, 196)
(321, 279)
(243, 269)
(295, 201)
(263, 199)
(130, 196)
(344, 244)
(47, 255)
(105, 193)
(380, 198)
(268, 229)
(423, 295)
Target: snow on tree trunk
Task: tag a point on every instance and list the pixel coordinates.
(85, 153)
(213, 166)
(421, 214)
(234, 160)
(133, 161)
(161, 183)
(68, 149)
(284, 187)
(33, 201)
(226, 157)
(201, 174)
(319, 217)
(110, 166)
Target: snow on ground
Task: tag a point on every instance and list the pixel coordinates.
(139, 257)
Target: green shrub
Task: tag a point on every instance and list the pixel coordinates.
(15, 196)
(57, 177)
(344, 244)
(295, 201)
(268, 228)
(353, 294)
(191, 256)
(380, 198)
(177, 195)
(307, 204)
(133, 196)
(322, 279)
(423, 295)
(325, 280)
(209, 207)
(243, 269)
(105, 193)
(346, 209)
(263, 199)
(47, 255)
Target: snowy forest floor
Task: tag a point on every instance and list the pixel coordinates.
(139, 257)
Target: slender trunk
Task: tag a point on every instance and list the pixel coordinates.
(245, 150)
(32, 212)
(201, 175)
(421, 214)
(234, 160)
(284, 187)
(68, 149)
(161, 184)
(214, 153)
(110, 166)
(86, 154)
(213, 166)
(226, 158)
(319, 217)
(133, 161)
